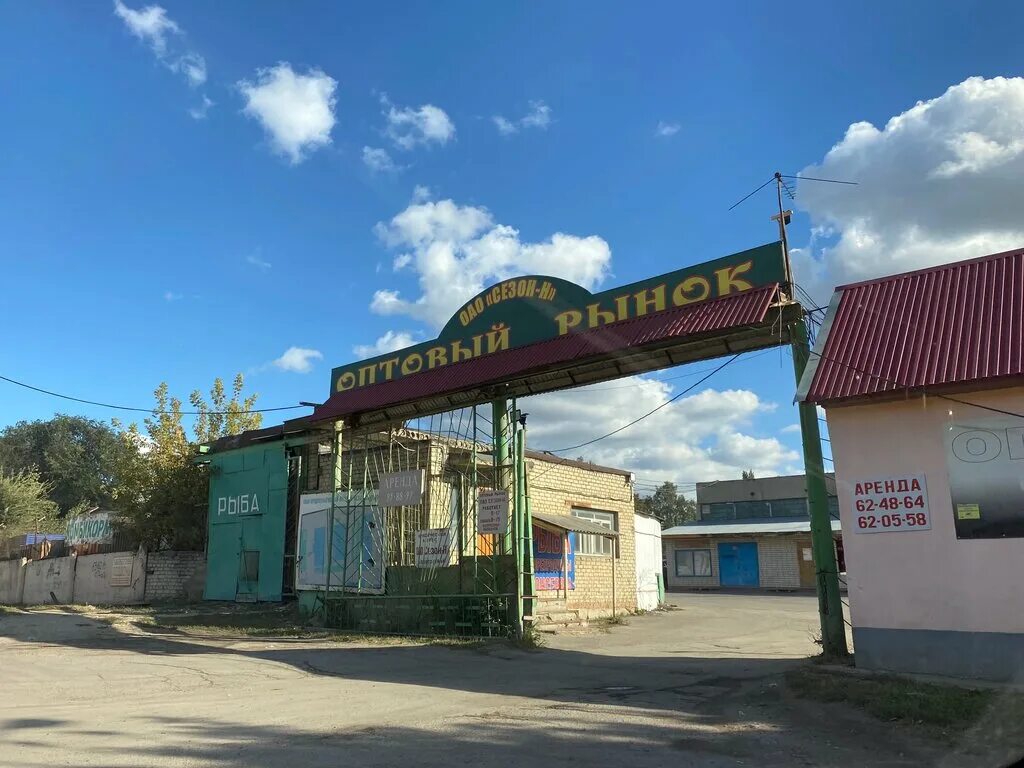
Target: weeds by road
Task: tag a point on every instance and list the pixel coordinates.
(980, 721)
(234, 620)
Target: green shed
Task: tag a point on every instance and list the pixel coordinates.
(247, 520)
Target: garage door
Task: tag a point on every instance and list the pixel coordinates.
(737, 565)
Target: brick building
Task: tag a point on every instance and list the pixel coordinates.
(749, 534)
(564, 495)
(268, 542)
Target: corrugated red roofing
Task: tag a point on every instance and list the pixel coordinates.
(705, 318)
(956, 324)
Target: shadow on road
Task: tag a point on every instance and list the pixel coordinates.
(568, 706)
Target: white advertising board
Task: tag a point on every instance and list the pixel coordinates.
(882, 504)
(433, 548)
(492, 512)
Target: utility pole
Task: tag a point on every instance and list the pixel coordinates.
(830, 606)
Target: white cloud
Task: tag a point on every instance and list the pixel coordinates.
(192, 66)
(410, 126)
(939, 182)
(664, 129)
(458, 250)
(389, 342)
(297, 359)
(296, 110)
(172, 296)
(539, 116)
(199, 113)
(151, 24)
(505, 126)
(256, 260)
(162, 34)
(378, 160)
(699, 437)
(790, 429)
(420, 193)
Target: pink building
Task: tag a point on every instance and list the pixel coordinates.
(922, 379)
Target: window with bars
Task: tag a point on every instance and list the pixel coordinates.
(592, 543)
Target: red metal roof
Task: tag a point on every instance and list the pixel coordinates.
(953, 325)
(608, 341)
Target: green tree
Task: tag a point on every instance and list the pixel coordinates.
(25, 504)
(165, 503)
(668, 505)
(748, 474)
(77, 459)
(221, 416)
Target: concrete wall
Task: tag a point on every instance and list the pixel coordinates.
(12, 581)
(758, 489)
(85, 579)
(54, 575)
(648, 561)
(907, 586)
(559, 487)
(175, 576)
(94, 574)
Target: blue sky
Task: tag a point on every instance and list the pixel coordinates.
(141, 243)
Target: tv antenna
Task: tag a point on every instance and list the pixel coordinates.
(785, 216)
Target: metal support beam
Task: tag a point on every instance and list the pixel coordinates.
(830, 606)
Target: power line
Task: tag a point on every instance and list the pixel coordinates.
(752, 193)
(144, 410)
(812, 178)
(655, 410)
(585, 389)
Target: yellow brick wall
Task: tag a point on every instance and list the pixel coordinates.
(556, 489)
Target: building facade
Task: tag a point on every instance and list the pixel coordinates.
(749, 534)
(605, 566)
(269, 522)
(920, 376)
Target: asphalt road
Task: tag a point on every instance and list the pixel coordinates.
(698, 685)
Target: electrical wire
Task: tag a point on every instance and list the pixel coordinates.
(145, 410)
(812, 178)
(654, 410)
(753, 193)
(581, 390)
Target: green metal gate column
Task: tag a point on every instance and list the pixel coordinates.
(830, 607)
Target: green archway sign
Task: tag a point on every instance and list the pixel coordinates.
(526, 310)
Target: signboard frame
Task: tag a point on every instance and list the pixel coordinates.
(891, 504)
(492, 512)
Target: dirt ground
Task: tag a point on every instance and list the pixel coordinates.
(699, 685)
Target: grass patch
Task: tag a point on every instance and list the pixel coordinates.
(532, 640)
(947, 708)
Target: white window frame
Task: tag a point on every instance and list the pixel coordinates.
(592, 544)
(690, 551)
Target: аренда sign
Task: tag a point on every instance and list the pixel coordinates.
(891, 504)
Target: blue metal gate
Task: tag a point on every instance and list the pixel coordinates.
(737, 565)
